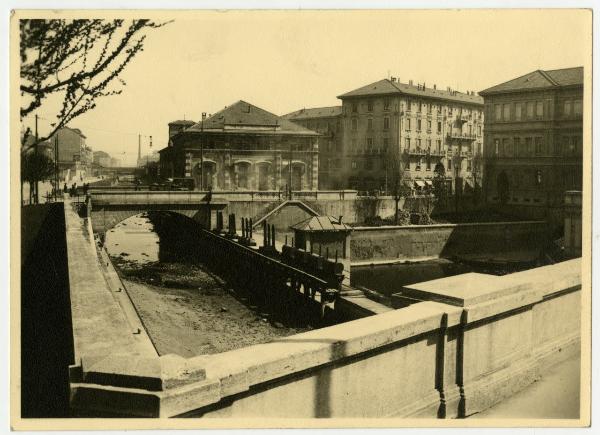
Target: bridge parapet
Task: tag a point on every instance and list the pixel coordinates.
(232, 195)
(470, 348)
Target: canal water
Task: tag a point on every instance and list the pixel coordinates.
(389, 279)
(189, 311)
(185, 308)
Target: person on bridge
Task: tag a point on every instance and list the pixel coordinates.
(65, 188)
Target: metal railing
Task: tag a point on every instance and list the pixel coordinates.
(461, 136)
(292, 283)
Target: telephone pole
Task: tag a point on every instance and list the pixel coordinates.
(290, 173)
(56, 169)
(36, 186)
(139, 159)
(202, 151)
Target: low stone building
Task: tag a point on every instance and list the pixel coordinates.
(242, 147)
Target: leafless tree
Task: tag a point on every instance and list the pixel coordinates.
(78, 60)
(35, 167)
(477, 172)
(397, 164)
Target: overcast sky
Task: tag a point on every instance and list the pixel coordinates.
(283, 61)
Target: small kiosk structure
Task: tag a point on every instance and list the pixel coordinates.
(326, 236)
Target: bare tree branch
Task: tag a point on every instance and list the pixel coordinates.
(80, 59)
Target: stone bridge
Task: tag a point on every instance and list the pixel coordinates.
(108, 207)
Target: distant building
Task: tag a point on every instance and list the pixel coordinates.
(389, 125)
(533, 140)
(102, 158)
(74, 155)
(328, 122)
(244, 148)
(114, 162)
(178, 126)
(148, 158)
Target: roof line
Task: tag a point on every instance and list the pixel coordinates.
(441, 95)
(547, 77)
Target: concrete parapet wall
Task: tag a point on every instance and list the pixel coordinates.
(392, 243)
(472, 341)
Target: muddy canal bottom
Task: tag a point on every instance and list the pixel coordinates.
(186, 309)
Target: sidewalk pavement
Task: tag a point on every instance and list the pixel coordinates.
(555, 395)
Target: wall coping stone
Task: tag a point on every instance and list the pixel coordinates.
(470, 224)
(465, 289)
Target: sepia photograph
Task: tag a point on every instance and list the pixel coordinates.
(300, 218)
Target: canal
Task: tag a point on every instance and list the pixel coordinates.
(189, 311)
(185, 308)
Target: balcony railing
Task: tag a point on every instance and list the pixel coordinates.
(460, 136)
(417, 152)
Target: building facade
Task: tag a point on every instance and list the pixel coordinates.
(327, 121)
(242, 147)
(72, 146)
(74, 156)
(395, 132)
(534, 148)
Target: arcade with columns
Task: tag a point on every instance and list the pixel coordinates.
(242, 147)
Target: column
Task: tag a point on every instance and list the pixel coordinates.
(188, 164)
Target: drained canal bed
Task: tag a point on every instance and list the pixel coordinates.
(186, 309)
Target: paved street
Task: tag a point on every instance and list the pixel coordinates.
(556, 395)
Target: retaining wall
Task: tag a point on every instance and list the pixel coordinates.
(393, 243)
(46, 330)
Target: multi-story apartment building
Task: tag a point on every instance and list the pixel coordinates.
(393, 129)
(74, 156)
(533, 140)
(243, 147)
(328, 122)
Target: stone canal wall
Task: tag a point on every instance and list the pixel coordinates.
(46, 329)
(394, 243)
(474, 342)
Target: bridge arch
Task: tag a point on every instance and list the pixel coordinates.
(105, 219)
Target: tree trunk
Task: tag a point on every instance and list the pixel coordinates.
(396, 211)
